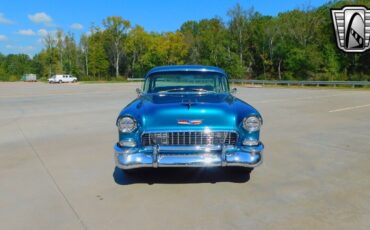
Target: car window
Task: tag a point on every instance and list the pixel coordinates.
(172, 82)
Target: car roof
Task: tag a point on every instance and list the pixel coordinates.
(185, 68)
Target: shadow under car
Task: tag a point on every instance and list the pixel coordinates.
(181, 175)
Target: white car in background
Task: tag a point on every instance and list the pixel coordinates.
(62, 78)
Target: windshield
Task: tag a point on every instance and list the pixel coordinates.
(175, 82)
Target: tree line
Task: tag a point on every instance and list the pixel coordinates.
(294, 45)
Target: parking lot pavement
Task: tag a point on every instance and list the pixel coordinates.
(57, 169)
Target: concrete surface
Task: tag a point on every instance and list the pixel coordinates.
(57, 170)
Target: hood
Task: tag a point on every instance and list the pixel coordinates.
(188, 111)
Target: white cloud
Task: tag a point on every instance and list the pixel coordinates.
(42, 32)
(4, 20)
(28, 32)
(3, 38)
(53, 33)
(76, 26)
(41, 17)
(30, 50)
(22, 49)
(25, 49)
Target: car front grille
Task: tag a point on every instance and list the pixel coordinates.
(189, 138)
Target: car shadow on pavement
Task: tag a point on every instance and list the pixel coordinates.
(180, 176)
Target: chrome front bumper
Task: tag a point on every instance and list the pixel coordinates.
(188, 156)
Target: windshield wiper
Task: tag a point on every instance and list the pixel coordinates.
(183, 89)
(172, 90)
(201, 90)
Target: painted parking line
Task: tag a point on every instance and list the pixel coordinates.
(267, 101)
(59, 93)
(349, 108)
(323, 96)
(302, 98)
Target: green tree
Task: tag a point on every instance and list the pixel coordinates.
(84, 50)
(52, 54)
(116, 29)
(190, 30)
(71, 55)
(136, 46)
(98, 57)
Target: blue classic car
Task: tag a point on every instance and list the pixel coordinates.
(186, 116)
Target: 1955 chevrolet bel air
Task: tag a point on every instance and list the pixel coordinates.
(186, 116)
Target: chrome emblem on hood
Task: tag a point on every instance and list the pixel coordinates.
(189, 122)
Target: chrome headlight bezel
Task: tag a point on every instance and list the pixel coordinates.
(252, 123)
(126, 124)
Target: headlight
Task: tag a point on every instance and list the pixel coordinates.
(126, 124)
(252, 123)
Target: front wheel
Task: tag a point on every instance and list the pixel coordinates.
(60, 81)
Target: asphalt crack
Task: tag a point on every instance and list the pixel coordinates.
(51, 176)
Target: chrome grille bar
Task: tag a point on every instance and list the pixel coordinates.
(189, 138)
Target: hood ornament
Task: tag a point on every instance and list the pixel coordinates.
(189, 103)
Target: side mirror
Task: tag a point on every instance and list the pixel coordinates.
(233, 91)
(139, 92)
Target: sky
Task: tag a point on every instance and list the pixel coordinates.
(23, 23)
